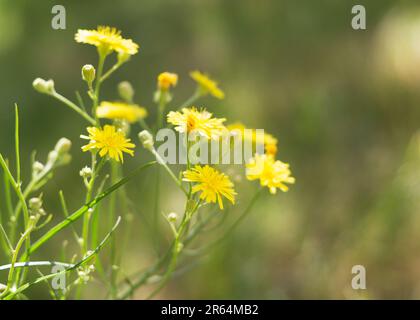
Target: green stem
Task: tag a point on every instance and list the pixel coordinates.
(15, 255)
(169, 171)
(191, 100)
(101, 62)
(114, 68)
(17, 148)
(77, 214)
(86, 219)
(176, 249)
(74, 107)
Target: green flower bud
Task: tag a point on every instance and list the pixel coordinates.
(44, 86)
(86, 172)
(172, 217)
(63, 146)
(37, 167)
(126, 91)
(123, 57)
(35, 204)
(146, 139)
(88, 73)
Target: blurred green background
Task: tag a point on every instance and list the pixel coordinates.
(344, 104)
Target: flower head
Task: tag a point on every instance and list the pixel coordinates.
(272, 173)
(269, 141)
(212, 184)
(108, 141)
(121, 111)
(166, 80)
(107, 39)
(207, 85)
(200, 122)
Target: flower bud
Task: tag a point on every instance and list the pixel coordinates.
(52, 157)
(123, 57)
(88, 73)
(44, 86)
(146, 139)
(37, 167)
(86, 172)
(166, 80)
(35, 204)
(62, 146)
(126, 91)
(172, 217)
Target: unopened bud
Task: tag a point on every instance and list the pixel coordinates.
(172, 217)
(52, 156)
(146, 139)
(126, 91)
(35, 204)
(44, 86)
(123, 57)
(88, 73)
(63, 146)
(37, 167)
(86, 172)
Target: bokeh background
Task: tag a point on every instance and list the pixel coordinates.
(344, 104)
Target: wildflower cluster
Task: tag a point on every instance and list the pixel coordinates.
(206, 189)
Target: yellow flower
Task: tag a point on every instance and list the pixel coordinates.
(211, 183)
(107, 39)
(108, 141)
(269, 141)
(120, 110)
(272, 173)
(166, 80)
(200, 122)
(270, 144)
(207, 85)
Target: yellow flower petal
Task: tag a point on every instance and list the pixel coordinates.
(107, 39)
(207, 85)
(211, 183)
(109, 142)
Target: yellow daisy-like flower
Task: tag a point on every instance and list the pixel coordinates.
(200, 122)
(120, 110)
(108, 141)
(269, 141)
(271, 173)
(207, 85)
(166, 80)
(212, 184)
(107, 39)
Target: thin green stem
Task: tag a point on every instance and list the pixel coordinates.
(17, 146)
(85, 260)
(86, 219)
(80, 212)
(101, 63)
(18, 191)
(74, 107)
(15, 255)
(191, 100)
(169, 171)
(114, 68)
